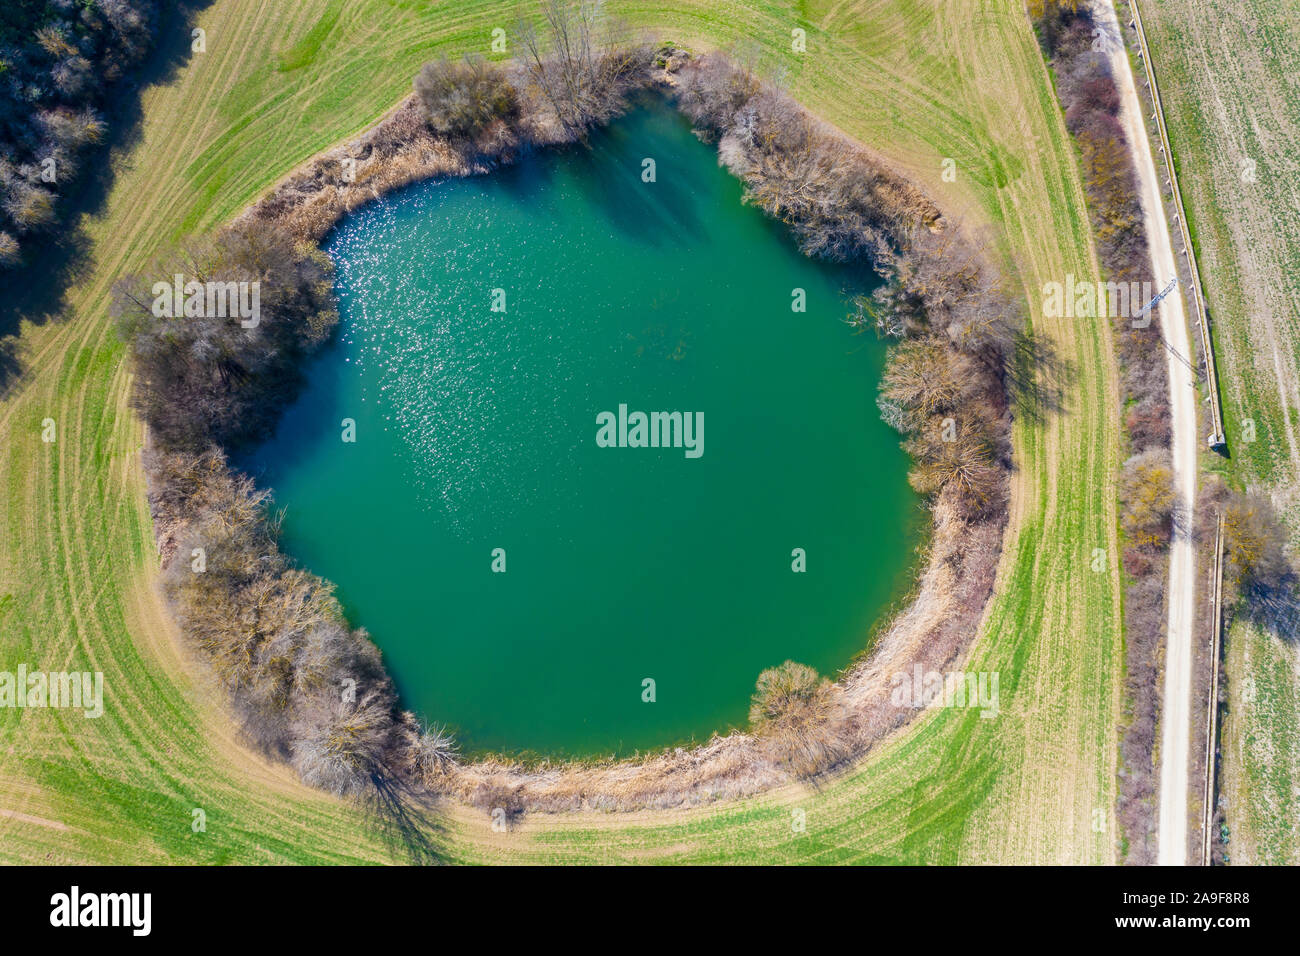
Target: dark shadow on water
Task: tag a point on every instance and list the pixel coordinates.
(656, 213)
(37, 290)
(855, 276)
(316, 410)
(526, 179)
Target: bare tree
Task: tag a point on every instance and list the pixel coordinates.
(340, 746)
(432, 749)
(957, 458)
(214, 378)
(583, 66)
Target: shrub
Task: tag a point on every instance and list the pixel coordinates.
(462, 100)
(713, 89)
(1146, 487)
(305, 687)
(941, 290)
(925, 377)
(797, 713)
(433, 752)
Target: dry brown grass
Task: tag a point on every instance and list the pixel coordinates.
(398, 151)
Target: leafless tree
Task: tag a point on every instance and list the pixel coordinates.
(341, 746)
(205, 379)
(582, 66)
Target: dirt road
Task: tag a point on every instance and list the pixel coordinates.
(1175, 713)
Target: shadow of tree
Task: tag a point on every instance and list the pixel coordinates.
(9, 364)
(407, 820)
(1038, 378)
(1275, 610)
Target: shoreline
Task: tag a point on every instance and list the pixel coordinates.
(937, 623)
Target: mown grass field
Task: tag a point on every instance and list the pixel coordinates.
(1229, 72)
(920, 81)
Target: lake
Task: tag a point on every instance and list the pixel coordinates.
(476, 444)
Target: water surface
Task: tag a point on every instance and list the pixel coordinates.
(476, 430)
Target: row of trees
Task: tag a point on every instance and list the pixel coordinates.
(307, 688)
(839, 201)
(1091, 100)
(57, 61)
(1259, 578)
(468, 102)
(951, 408)
(945, 386)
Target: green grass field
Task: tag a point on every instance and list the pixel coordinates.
(1229, 72)
(918, 81)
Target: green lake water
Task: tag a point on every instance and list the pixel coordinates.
(476, 430)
